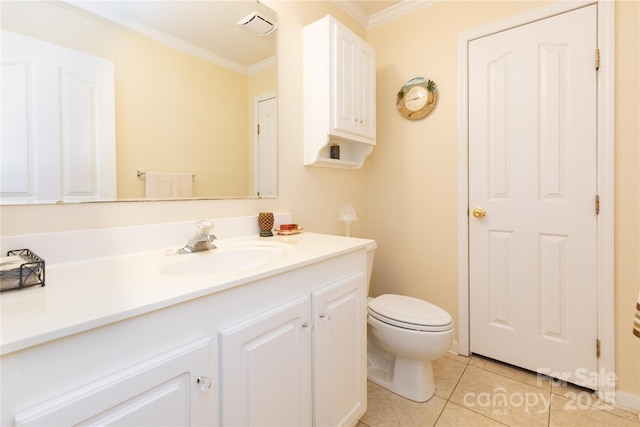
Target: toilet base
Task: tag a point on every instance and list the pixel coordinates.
(408, 378)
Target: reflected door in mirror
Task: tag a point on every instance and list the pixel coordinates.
(58, 123)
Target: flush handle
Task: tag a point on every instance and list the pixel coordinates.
(479, 213)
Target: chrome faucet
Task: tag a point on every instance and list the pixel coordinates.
(202, 241)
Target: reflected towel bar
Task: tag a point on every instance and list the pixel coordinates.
(141, 174)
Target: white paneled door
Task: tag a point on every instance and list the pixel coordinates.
(532, 196)
(266, 159)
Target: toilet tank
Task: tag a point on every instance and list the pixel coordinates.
(371, 251)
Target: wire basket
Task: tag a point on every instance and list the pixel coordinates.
(28, 271)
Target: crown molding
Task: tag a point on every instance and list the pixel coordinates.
(392, 13)
(397, 11)
(158, 37)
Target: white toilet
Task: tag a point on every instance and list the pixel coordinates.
(404, 336)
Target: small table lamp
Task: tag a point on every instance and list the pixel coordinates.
(347, 215)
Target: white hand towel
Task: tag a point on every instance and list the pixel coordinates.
(168, 185)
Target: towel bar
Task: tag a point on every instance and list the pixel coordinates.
(141, 174)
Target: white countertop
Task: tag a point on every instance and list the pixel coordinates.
(91, 293)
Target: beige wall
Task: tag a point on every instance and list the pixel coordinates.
(412, 175)
(405, 195)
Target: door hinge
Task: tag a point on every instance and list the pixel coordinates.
(597, 204)
(258, 129)
(597, 59)
(597, 348)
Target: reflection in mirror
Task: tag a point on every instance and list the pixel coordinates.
(191, 87)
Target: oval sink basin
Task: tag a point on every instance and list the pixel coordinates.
(224, 260)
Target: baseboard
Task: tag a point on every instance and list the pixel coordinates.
(628, 401)
(454, 347)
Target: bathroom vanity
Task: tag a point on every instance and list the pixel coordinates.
(150, 338)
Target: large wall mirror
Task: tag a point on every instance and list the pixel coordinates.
(193, 92)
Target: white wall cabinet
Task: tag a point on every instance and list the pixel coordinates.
(325, 386)
(339, 95)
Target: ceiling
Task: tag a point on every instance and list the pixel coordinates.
(208, 29)
(201, 28)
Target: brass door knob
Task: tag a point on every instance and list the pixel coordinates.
(479, 213)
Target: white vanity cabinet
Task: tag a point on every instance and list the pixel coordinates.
(339, 95)
(282, 347)
(302, 363)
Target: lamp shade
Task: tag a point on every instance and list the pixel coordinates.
(347, 213)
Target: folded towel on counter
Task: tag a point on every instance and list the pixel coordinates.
(168, 185)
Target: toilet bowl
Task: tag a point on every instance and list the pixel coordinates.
(404, 335)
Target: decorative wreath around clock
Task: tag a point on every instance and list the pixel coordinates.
(416, 98)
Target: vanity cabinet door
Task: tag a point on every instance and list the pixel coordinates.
(172, 389)
(266, 368)
(340, 348)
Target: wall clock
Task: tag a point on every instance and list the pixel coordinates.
(416, 98)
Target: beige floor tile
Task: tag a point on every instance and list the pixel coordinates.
(386, 409)
(502, 399)
(457, 416)
(531, 378)
(567, 412)
(447, 373)
(484, 392)
(586, 397)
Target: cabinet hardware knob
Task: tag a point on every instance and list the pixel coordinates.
(325, 316)
(204, 382)
(307, 326)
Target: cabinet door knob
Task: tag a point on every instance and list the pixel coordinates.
(307, 326)
(325, 316)
(204, 382)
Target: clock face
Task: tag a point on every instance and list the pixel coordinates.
(415, 98)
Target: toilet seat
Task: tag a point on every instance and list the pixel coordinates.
(410, 313)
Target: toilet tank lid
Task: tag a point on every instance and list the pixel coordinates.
(410, 310)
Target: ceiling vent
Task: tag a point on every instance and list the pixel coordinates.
(259, 24)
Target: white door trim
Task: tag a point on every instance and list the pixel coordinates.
(605, 176)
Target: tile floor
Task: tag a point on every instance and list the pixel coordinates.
(475, 391)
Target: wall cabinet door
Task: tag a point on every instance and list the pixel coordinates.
(162, 391)
(340, 349)
(266, 368)
(353, 68)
